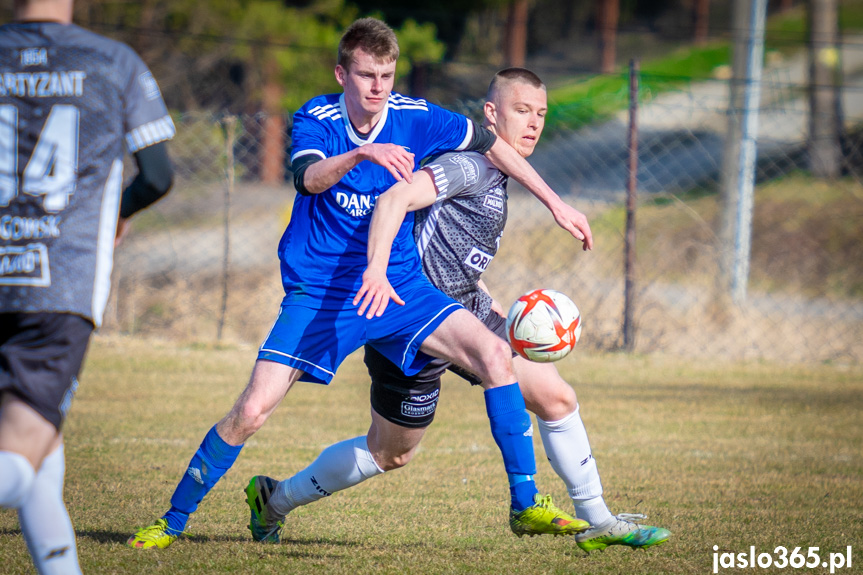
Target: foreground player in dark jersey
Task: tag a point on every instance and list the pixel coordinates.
(462, 203)
(70, 103)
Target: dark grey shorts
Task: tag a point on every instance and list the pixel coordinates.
(40, 357)
(411, 401)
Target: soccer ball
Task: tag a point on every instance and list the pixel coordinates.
(543, 325)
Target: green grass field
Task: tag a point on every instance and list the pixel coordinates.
(731, 455)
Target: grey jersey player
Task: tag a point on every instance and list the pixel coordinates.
(460, 212)
(71, 104)
(459, 234)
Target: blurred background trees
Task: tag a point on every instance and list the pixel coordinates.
(267, 57)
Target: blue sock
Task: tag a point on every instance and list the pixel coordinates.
(510, 427)
(212, 460)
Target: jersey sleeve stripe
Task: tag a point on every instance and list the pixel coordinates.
(302, 153)
(468, 137)
(324, 112)
(409, 103)
(407, 107)
(441, 182)
(150, 133)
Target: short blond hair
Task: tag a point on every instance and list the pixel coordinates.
(371, 36)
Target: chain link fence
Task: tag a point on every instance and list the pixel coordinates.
(202, 264)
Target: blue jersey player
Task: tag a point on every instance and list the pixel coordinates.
(348, 149)
(71, 104)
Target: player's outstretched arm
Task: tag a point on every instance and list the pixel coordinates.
(324, 174)
(390, 210)
(510, 162)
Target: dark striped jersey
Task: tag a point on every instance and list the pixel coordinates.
(459, 234)
(71, 103)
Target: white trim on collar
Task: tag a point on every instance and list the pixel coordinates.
(349, 128)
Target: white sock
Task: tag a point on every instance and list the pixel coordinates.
(15, 480)
(45, 522)
(338, 467)
(568, 450)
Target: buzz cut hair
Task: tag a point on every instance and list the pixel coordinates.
(510, 76)
(371, 36)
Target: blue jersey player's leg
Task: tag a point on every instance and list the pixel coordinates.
(288, 354)
(212, 460)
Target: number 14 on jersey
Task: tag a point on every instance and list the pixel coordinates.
(51, 170)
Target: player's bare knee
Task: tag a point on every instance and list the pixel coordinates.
(553, 402)
(244, 420)
(497, 364)
(390, 461)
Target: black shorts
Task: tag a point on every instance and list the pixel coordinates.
(40, 358)
(411, 401)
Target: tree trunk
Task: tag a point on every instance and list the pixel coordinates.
(608, 14)
(516, 33)
(701, 19)
(273, 144)
(825, 153)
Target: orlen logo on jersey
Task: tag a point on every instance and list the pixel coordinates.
(478, 259)
(357, 205)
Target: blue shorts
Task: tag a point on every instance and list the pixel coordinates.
(316, 341)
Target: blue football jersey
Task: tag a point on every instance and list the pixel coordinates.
(323, 250)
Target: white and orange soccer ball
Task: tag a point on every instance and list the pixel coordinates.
(543, 325)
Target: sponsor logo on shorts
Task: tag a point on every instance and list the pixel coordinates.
(493, 202)
(67, 397)
(529, 432)
(25, 265)
(420, 405)
(478, 259)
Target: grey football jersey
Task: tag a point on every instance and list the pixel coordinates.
(459, 234)
(71, 102)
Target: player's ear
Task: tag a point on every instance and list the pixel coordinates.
(489, 111)
(341, 74)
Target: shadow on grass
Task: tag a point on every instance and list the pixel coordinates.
(116, 537)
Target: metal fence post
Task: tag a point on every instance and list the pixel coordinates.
(229, 126)
(631, 190)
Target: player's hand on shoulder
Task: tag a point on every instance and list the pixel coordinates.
(375, 293)
(396, 159)
(575, 223)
